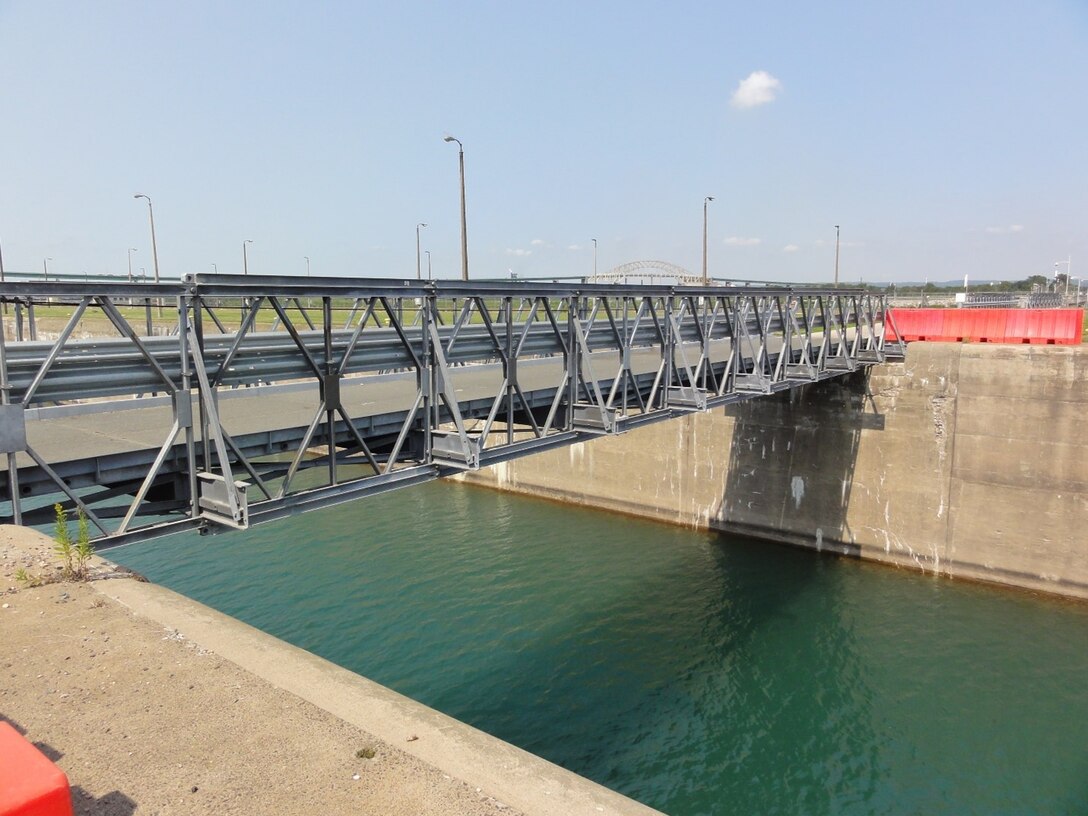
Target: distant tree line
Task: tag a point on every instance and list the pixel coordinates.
(1034, 283)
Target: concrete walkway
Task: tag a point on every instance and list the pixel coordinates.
(152, 703)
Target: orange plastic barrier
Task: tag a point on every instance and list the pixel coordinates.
(1043, 326)
(30, 785)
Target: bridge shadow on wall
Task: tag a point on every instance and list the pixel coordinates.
(791, 463)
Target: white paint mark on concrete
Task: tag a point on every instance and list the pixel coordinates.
(819, 539)
(797, 490)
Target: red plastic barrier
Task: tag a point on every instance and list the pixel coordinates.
(30, 785)
(1043, 326)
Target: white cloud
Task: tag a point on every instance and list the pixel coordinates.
(734, 240)
(758, 89)
(574, 247)
(791, 248)
(519, 253)
(1005, 230)
(537, 242)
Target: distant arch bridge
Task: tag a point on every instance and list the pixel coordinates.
(654, 272)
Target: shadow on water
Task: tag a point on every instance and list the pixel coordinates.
(792, 459)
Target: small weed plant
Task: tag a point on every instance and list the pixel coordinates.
(74, 555)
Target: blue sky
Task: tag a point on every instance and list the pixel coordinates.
(945, 138)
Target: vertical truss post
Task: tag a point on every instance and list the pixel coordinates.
(197, 340)
(425, 375)
(668, 349)
(330, 391)
(573, 360)
(5, 401)
(509, 368)
(183, 408)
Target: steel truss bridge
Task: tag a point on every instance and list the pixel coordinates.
(269, 397)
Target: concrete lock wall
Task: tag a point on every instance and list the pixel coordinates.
(966, 460)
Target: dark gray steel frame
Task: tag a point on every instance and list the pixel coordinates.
(715, 345)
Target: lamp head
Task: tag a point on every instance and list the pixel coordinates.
(448, 138)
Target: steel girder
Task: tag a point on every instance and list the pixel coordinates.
(417, 381)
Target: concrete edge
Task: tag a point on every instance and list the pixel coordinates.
(503, 771)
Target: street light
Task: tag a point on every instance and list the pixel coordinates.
(1068, 271)
(594, 257)
(836, 255)
(464, 228)
(45, 268)
(428, 263)
(245, 256)
(307, 257)
(419, 275)
(706, 201)
(215, 269)
(130, 251)
(154, 246)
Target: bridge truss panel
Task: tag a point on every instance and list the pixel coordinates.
(267, 397)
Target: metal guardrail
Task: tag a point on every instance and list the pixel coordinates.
(602, 358)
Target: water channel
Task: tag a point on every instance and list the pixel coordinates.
(698, 673)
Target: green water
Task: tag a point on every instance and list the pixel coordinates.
(695, 672)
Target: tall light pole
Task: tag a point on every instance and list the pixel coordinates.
(245, 256)
(1068, 271)
(706, 201)
(130, 251)
(215, 269)
(464, 227)
(45, 268)
(154, 246)
(307, 257)
(419, 274)
(836, 255)
(428, 263)
(594, 257)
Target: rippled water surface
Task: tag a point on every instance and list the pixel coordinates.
(695, 672)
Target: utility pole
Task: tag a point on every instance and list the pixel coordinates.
(464, 227)
(706, 201)
(836, 256)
